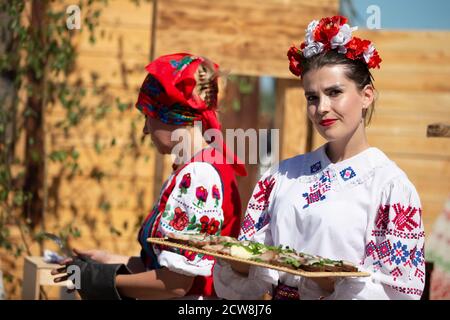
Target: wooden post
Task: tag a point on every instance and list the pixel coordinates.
(291, 118)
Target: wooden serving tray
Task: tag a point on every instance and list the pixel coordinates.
(298, 272)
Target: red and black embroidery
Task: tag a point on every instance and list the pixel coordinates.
(263, 194)
(404, 217)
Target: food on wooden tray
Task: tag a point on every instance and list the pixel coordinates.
(195, 240)
(289, 260)
(220, 248)
(254, 251)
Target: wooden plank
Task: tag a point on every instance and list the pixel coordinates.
(410, 79)
(423, 168)
(102, 131)
(403, 145)
(410, 126)
(125, 72)
(421, 103)
(409, 41)
(119, 13)
(246, 37)
(292, 118)
(126, 13)
(113, 163)
(115, 41)
(85, 193)
(99, 236)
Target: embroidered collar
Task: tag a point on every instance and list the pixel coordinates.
(348, 170)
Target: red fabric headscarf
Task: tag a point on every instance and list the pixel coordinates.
(182, 88)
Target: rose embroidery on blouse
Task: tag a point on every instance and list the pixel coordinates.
(209, 226)
(180, 220)
(216, 195)
(185, 183)
(202, 194)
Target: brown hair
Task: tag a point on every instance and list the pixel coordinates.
(356, 70)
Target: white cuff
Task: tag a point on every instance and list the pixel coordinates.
(177, 263)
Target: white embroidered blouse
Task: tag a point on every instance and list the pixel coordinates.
(194, 206)
(363, 210)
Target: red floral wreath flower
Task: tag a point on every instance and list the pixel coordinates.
(294, 56)
(328, 28)
(332, 33)
(356, 47)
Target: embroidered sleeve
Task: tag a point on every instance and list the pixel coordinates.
(257, 215)
(194, 206)
(394, 253)
(255, 226)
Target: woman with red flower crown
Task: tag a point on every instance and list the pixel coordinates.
(345, 200)
(200, 196)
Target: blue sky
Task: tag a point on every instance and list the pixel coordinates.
(403, 14)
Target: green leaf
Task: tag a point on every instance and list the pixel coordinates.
(236, 105)
(121, 106)
(19, 198)
(105, 206)
(35, 156)
(76, 233)
(194, 227)
(114, 231)
(75, 154)
(4, 195)
(59, 155)
(245, 87)
(98, 147)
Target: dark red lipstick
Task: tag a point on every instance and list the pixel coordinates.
(327, 122)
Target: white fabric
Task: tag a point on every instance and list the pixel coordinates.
(186, 203)
(336, 210)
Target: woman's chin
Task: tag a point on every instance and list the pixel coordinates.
(329, 134)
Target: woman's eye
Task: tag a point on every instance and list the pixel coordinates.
(311, 98)
(334, 93)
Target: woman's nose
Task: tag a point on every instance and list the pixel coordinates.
(324, 106)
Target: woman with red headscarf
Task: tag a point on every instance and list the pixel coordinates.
(200, 196)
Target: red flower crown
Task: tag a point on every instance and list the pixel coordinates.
(332, 33)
